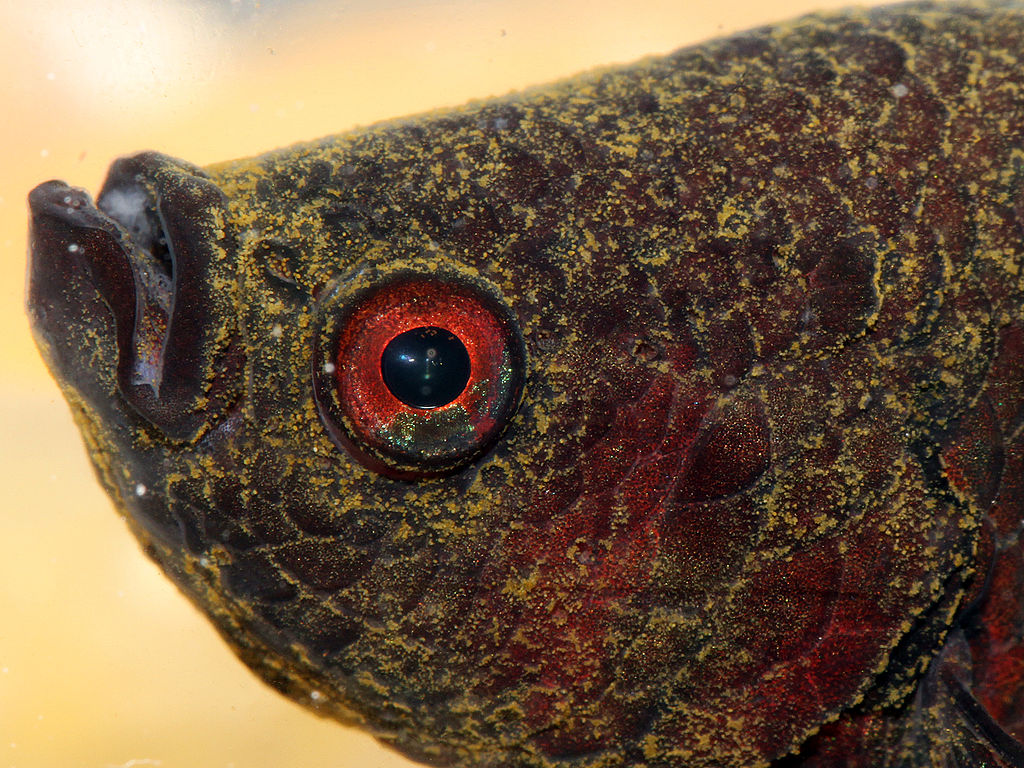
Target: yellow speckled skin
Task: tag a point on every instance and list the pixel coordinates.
(761, 499)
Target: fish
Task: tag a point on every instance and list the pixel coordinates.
(672, 414)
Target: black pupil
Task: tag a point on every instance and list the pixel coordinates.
(426, 367)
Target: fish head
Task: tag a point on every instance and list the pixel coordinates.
(512, 442)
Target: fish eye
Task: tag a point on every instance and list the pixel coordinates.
(416, 374)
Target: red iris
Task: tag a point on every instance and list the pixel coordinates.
(363, 414)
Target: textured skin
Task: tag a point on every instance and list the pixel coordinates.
(762, 498)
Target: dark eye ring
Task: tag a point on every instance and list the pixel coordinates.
(415, 373)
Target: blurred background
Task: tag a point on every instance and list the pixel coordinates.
(102, 663)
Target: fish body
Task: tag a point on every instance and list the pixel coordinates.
(714, 455)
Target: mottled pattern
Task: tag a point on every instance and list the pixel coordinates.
(762, 498)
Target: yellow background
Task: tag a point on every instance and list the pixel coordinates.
(102, 663)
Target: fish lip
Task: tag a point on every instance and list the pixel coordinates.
(69, 204)
(77, 253)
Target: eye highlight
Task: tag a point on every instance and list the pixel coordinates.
(415, 374)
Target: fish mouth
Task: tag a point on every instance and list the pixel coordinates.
(135, 271)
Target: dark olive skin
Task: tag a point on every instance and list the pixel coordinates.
(736, 476)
